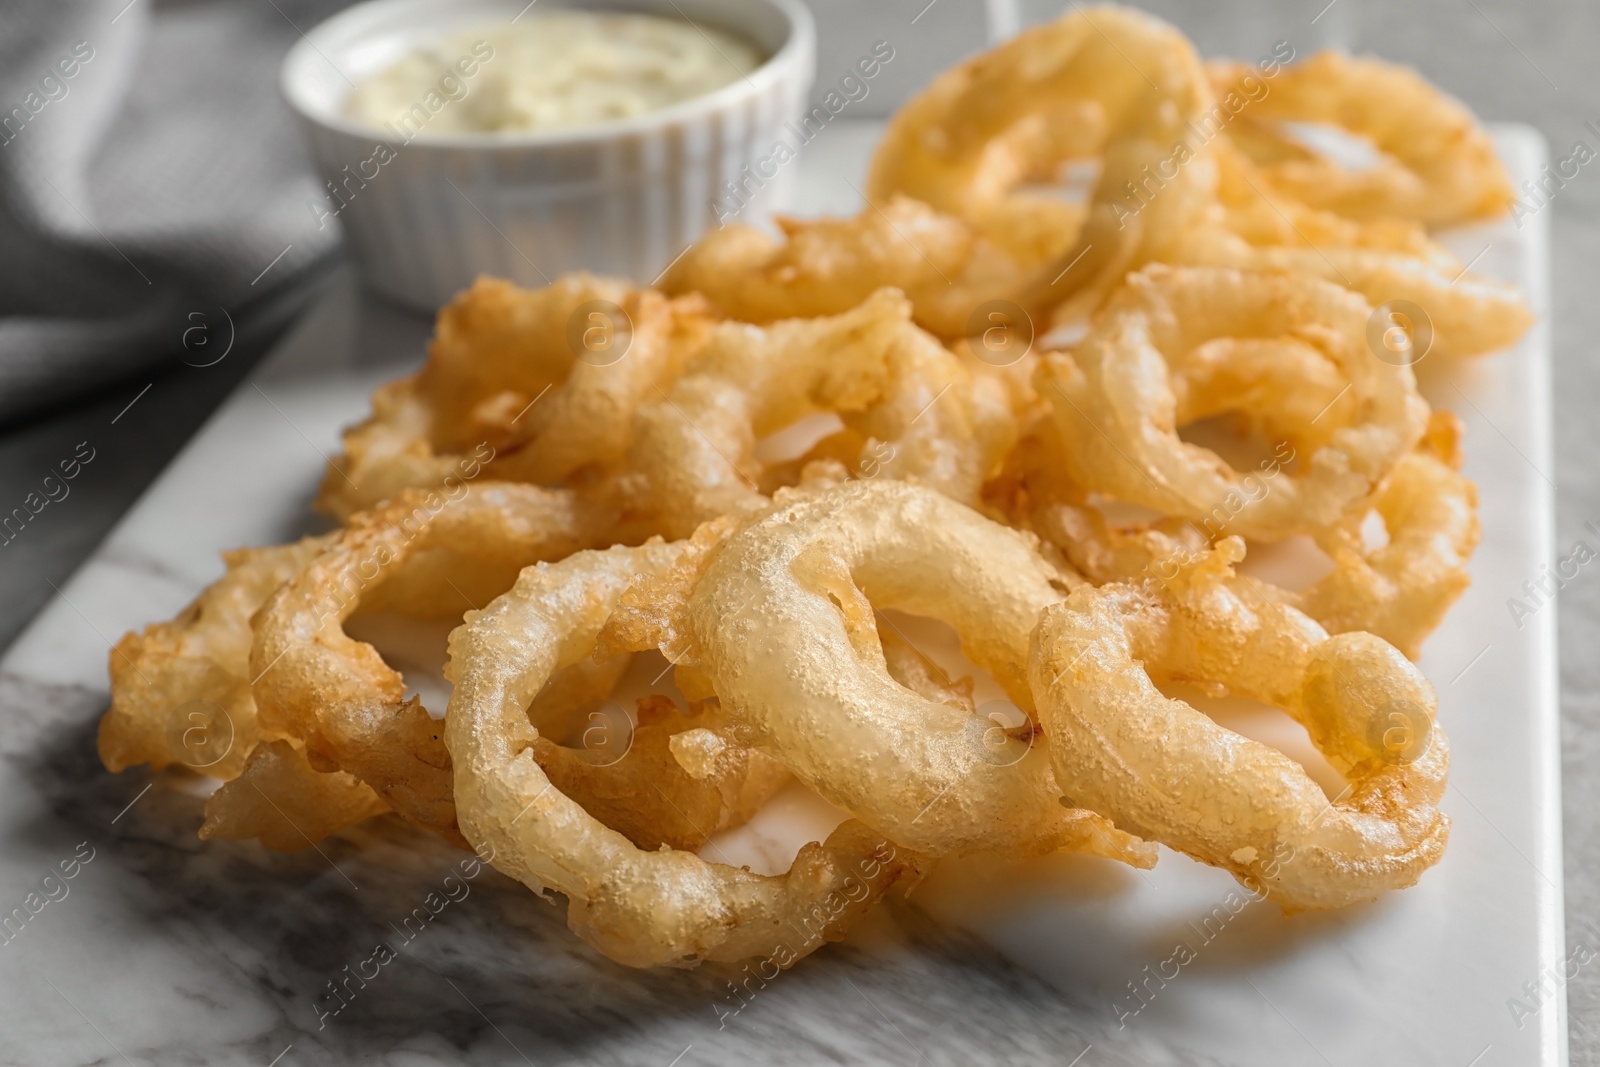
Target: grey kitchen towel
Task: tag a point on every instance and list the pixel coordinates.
(148, 170)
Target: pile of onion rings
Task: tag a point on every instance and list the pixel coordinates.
(746, 472)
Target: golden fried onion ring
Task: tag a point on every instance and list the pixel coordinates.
(1165, 771)
(1437, 164)
(189, 680)
(512, 387)
(314, 682)
(1251, 228)
(890, 382)
(1180, 344)
(641, 908)
(202, 654)
(823, 267)
(1104, 82)
(1399, 590)
(828, 266)
(786, 635)
(1060, 91)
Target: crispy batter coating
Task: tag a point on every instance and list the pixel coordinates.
(947, 266)
(1399, 590)
(530, 385)
(203, 654)
(1182, 344)
(639, 907)
(1436, 163)
(315, 683)
(649, 795)
(824, 266)
(786, 634)
(180, 694)
(348, 708)
(1255, 226)
(280, 799)
(1161, 769)
(1059, 91)
(1106, 83)
(911, 410)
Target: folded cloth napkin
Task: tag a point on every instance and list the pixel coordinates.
(149, 170)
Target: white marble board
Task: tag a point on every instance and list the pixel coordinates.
(168, 950)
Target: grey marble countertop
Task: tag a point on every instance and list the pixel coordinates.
(1532, 62)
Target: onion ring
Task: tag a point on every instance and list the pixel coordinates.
(336, 694)
(1398, 591)
(823, 267)
(889, 382)
(828, 266)
(1165, 771)
(1383, 259)
(1055, 92)
(202, 654)
(641, 908)
(1184, 343)
(1437, 165)
(510, 388)
(200, 661)
(1108, 82)
(1401, 591)
(652, 614)
(794, 581)
(1033, 493)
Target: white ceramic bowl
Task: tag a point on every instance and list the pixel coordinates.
(423, 217)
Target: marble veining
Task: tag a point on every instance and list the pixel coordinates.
(249, 939)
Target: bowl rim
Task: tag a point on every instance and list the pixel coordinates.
(797, 51)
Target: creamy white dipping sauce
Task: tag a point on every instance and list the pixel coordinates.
(552, 71)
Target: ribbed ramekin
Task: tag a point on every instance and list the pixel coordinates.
(423, 217)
